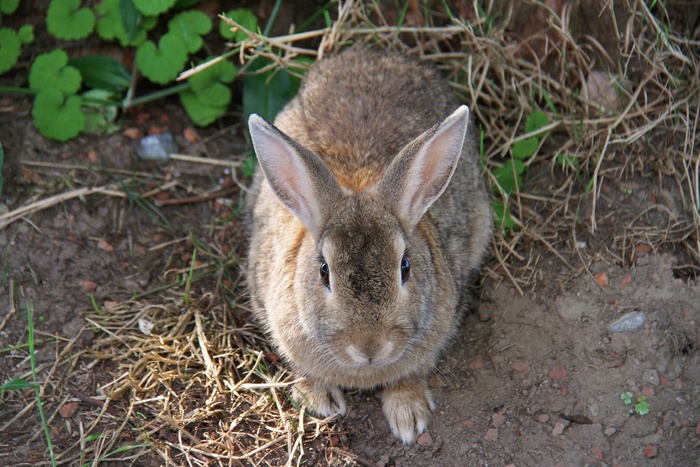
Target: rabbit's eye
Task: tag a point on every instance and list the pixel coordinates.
(325, 275)
(405, 270)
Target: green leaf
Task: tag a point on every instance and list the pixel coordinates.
(2, 157)
(100, 71)
(17, 383)
(242, 16)
(248, 167)
(265, 94)
(162, 64)
(508, 176)
(502, 216)
(9, 49)
(202, 114)
(181, 4)
(130, 18)
(190, 26)
(626, 398)
(26, 34)
(51, 72)
(111, 22)
(535, 121)
(100, 108)
(525, 148)
(66, 20)
(153, 7)
(8, 6)
(57, 118)
(211, 84)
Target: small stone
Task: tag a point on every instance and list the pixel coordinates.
(498, 359)
(436, 382)
(593, 409)
(610, 431)
(697, 429)
(651, 377)
(476, 364)
(520, 367)
(558, 373)
(678, 385)
(597, 453)
(628, 322)
(88, 286)
(648, 391)
(425, 439)
(542, 418)
(497, 419)
(466, 423)
(651, 451)
(558, 429)
(69, 409)
(602, 279)
(491, 434)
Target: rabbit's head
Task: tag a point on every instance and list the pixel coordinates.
(366, 285)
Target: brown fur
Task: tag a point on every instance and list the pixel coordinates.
(356, 112)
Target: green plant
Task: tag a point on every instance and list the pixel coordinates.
(640, 408)
(19, 384)
(509, 176)
(85, 94)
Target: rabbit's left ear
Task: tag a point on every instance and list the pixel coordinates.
(422, 170)
(299, 179)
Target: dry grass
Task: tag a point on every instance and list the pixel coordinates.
(186, 376)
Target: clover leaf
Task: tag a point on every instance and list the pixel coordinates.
(57, 118)
(202, 114)
(50, 71)
(153, 7)
(8, 6)
(502, 215)
(162, 64)
(242, 16)
(190, 26)
(26, 34)
(535, 121)
(112, 25)
(210, 84)
(9, 49)
(525, 147)
(508, 176)
(66, 20)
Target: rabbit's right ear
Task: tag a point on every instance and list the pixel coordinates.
(299, 179)
(422, 170)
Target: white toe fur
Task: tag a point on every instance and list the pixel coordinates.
(407, 410)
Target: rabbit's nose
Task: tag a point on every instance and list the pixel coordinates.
(373, 353)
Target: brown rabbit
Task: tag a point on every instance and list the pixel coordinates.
(367, 227)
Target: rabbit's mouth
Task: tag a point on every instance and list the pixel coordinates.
(362, 358)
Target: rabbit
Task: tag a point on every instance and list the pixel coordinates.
(369, 220)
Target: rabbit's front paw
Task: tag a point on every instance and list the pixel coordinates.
(323, 399)
(407, 406)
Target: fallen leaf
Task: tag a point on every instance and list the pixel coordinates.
(626, 280)
(476, 364)
(643, 249)
(190, 134)
(436, 382)
(602, 278)
(558, 429)
(69, 409)
(132, 133)
(102, 244)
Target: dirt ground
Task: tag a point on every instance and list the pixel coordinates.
(535, 376)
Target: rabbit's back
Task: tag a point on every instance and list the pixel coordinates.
(358, 109)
